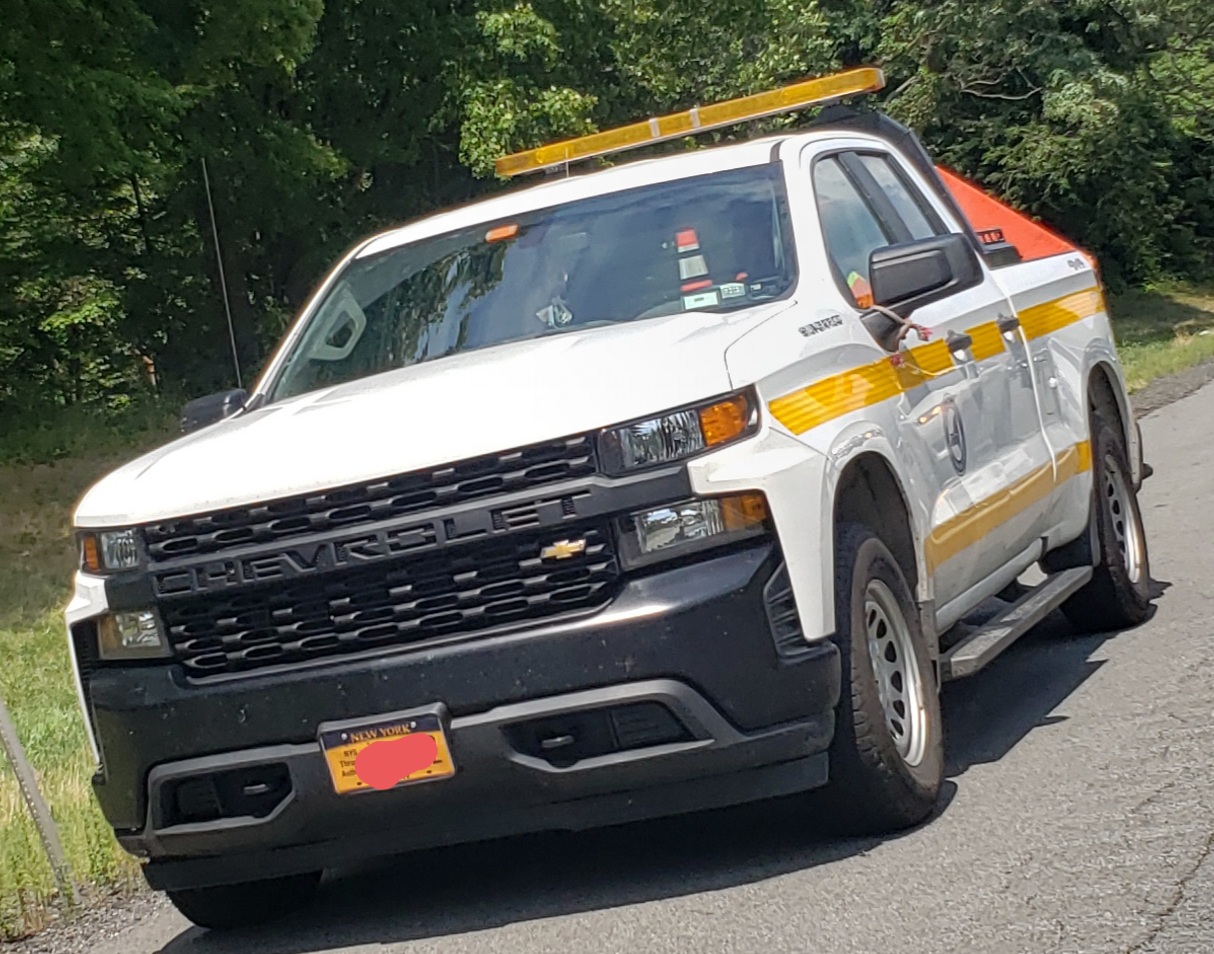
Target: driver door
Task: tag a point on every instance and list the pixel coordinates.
(967, 412)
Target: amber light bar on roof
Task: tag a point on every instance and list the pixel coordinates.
(814, 92)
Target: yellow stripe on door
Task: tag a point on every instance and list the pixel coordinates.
(972, 524)
(861, 387)
(837, 395)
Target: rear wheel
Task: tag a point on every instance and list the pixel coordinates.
(228, 906)
(1119, 593)
(887, 756)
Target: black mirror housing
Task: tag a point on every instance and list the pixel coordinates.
(908, 276)
(204, 411)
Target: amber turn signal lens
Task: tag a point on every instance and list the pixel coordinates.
(744, 512)
(90, 556)
(725, 421)
(501, 233)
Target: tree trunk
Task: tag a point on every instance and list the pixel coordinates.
(143, 217)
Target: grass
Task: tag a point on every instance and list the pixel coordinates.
(1162, 331)
(46, 463)
(37, 558)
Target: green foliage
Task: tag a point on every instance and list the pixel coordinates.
(40, 435)
(322, 122)
(1086, 113)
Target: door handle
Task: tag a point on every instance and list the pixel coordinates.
(1007, 325)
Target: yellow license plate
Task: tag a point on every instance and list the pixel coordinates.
(386, 753)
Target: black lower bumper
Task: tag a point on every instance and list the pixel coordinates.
(695, 642)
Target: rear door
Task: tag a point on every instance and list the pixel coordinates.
(968, 409)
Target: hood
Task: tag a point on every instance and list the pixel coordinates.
(431, 414)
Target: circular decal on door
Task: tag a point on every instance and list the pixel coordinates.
(954, 435)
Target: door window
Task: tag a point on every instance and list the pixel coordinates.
(918, 217)
(850, 226)
(865, 203)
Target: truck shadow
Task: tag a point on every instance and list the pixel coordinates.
(483, 887)
(989, 714)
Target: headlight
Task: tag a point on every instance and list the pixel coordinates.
(690, 525)
(680, 434)
(131, 636)
(108, 551)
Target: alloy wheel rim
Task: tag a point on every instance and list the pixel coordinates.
(891, 652)
(1126, 529)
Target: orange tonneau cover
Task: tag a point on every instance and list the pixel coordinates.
(1031, 239)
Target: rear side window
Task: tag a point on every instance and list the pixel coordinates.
(918, 217)
(849, 225)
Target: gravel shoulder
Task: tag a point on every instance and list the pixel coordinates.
(1164, 391)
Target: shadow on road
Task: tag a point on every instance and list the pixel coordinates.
(986, 716)
(481, 887)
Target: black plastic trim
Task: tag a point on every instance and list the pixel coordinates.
(712, 634)
(771, 778)
(710, 764)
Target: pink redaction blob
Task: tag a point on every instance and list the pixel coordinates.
(384, 764)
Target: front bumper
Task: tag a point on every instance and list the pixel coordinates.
(696, 640)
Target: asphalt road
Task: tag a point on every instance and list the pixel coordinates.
(1078, 816)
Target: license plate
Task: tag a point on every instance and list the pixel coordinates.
(389, 765)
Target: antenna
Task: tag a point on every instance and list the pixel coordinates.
(223, 281)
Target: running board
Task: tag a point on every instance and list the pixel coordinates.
(984, 644)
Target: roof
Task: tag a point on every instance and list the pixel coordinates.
(819, 91)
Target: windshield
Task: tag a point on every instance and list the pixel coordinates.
(710, 243)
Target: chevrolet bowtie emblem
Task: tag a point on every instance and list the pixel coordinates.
(563, 550)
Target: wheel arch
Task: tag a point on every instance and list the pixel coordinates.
(1105, 390)
(869, 491)
(1102, 391)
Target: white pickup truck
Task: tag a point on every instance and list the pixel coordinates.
(629, 493)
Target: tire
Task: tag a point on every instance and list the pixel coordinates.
(227, 906)
(886, 765)
(1119, 594)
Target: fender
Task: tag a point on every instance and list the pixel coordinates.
(865, 438)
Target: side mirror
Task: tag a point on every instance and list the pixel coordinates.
(204, 411)
(908, 276)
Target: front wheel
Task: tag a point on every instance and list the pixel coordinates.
(887, 756)
(228, 906)
(1119, 594)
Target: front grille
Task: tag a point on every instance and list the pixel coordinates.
(357, 504)
(464, 589)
